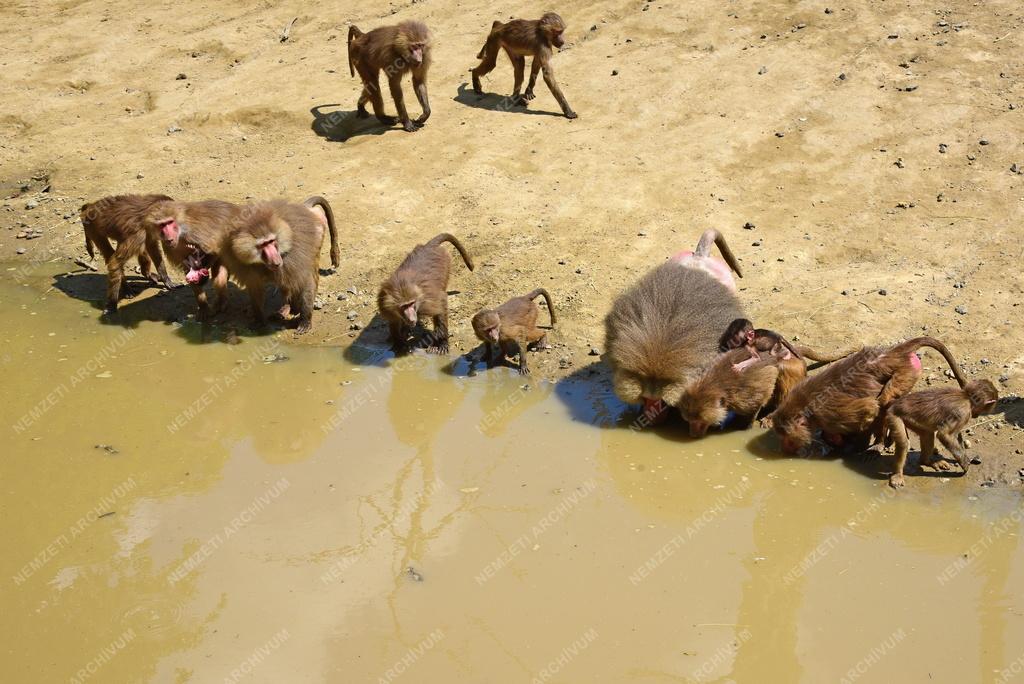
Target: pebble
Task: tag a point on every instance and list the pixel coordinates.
(140, 175)
(883, 292)
(352, 315)
(594, 351)
(20, 250)
(763, 70)
(180, 77)
(174, 128)
(615, 72)
(1016, 168)
(961, 309)
(31, 204)
(983, 141)
(943, 147)
(749, 226)
(780, 134)
(842, 76)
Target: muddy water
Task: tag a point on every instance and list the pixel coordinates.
(312, 520)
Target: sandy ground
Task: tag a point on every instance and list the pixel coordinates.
(864, 161)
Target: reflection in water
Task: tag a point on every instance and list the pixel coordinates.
(317, 519)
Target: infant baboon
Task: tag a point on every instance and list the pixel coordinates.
(512, 327)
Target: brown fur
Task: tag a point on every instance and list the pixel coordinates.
(512, 327)
(942, 412)
(850, 397)
(297, 231)
(791, 372)
(120, 218)
(720, 389)
(419, 288)
(398, 50)
(185, 227)
(522, 38)
(662, 332)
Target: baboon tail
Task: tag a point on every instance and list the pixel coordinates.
(547, 298)
(815, 355)
(913, 345)
(353, 33)
(712, 236)
(317, 201)
(448, 237)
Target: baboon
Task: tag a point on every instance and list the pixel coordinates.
(941, 412)
(742, 333)
(720, 389)
(192, 234)
(522, 38)
(512, 327)
(397, 50)
(279, 243)
(661, 333)
(420, 288)
(757, 341)
(120, 218)
(851, 396)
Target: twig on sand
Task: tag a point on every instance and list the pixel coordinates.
(866, 306)
(85, 264)
(288, 30)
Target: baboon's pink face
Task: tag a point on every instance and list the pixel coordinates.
(416, 51)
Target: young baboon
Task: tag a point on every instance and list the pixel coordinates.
(757, 341)
(522, 38)
(941, 412)
(720, 390)
(851, 396)
(400, 49)
(192, 233)
(279, 243)
(120, 218)
(420, 288)
(512, 327)
(661, 333)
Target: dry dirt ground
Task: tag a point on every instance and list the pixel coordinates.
(864, 159)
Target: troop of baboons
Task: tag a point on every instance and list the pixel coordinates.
(677, 338)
